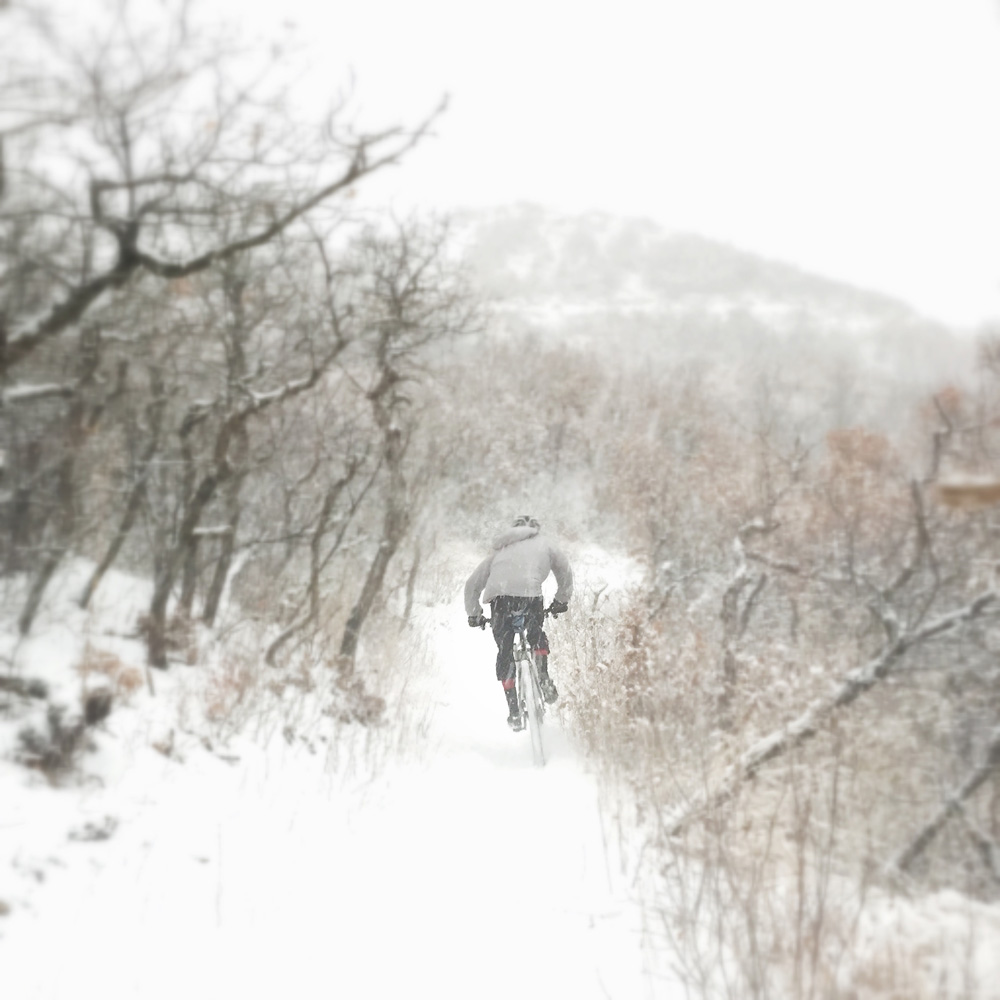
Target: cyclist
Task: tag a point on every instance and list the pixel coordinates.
(510, 580)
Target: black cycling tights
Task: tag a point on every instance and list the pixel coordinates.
(501, 610)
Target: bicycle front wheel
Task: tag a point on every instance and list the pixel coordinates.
(536, 716)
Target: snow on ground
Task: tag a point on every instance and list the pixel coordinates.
(303, 865)
(320, 860)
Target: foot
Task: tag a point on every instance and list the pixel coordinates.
(549, 692)
(516, 722)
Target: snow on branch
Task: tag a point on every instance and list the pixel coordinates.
(26, 393)
(216, 531)
(758, 526)
(808, 724)
(261, 399)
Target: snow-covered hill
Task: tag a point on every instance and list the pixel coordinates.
(625, 284)
(525, 253)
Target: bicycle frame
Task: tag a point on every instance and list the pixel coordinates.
(529, 691)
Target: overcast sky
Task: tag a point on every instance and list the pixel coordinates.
(856, 138)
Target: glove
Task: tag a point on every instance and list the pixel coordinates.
(558, 608)
(477, 621)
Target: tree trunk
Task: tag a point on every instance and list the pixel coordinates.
(138, 491)
(20, 535)
(156, 622)
(167, 573)
(220, 574)
(374, 579)
(38, 586)
(64, 523)
(78, 421)
(124, 527)
(189, 576)
(234, 508)
(394, 525)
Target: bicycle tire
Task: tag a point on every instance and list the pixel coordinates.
(529, 698)
(537, 742)
(537, 715)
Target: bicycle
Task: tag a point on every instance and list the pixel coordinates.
(527, 683)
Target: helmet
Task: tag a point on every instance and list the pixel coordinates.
(525, 521)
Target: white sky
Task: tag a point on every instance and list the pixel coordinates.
(856, 138)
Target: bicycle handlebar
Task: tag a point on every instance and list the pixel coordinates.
(545, 614)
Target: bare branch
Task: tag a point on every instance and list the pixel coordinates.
(358, 168)
(809, 723)
(233, 179)
(951, 807)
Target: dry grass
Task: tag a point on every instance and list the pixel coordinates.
(99, 667)
(779, 891)
(231, 687)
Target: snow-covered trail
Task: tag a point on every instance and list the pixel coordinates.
(459, 871)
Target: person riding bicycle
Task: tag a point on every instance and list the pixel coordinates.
(510, 581)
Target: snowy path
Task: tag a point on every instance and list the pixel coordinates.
(463, 872)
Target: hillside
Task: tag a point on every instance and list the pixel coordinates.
(526, 253)
(597, 279)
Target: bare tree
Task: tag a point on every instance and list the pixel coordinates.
(138, 155)
(414, 302)
(213, 434)
(147, 145)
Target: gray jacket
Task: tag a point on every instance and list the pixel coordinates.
(520, 563)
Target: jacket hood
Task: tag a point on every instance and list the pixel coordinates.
(512, 535)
